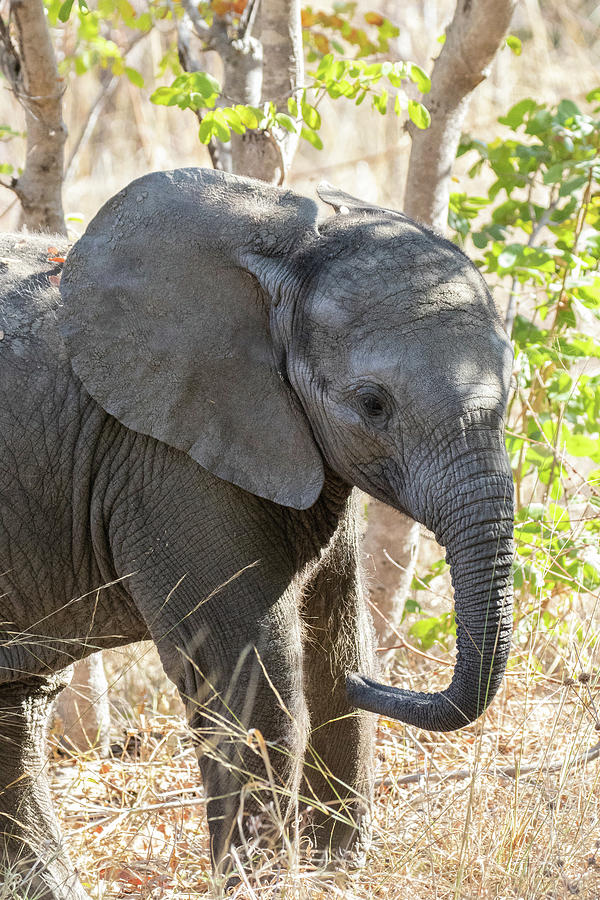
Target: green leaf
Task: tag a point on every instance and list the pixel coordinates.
(420, 77)
(6, 133)
(134, 76)
(325, 66)
(167, 96)
(411, 605)
(6, 169)
(516, 114)
(418, 114)
(380, 102)
(311, 116)
(593, 96)
(65, 10)
(435, 628)
(312, 137)
(221, 128)
(234, 120)
(206, 130)
(339, 69)
(250, 115)
(292, 107)
(514, 43)
(204, 84)
(508, 257)
(571, 185)
(554, 174)
(567, 110)
(581, 445)
(589, 294)
(161, 96)
(285, 121)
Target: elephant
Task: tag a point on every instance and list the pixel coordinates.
(184, 421)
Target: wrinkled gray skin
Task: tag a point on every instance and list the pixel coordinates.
(178, 442)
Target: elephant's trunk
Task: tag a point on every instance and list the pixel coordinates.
(478, 540)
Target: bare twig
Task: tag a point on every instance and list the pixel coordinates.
(107, 86)
(511, 309)
(10, 64)
(505, 772)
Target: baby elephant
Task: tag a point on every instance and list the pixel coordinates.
(181, 427)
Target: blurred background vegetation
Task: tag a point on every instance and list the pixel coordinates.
(116, 134)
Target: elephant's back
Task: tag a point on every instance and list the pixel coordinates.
(30, 267)
(35, 374)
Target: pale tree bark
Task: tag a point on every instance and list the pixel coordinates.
(82, 713)
(28, 62)
(390, 551)
(472, 40)
(283, 73)
(29, 65)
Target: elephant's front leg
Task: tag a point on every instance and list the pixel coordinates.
(244, 698)
(339, 763)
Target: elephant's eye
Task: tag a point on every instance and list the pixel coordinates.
(373, 404)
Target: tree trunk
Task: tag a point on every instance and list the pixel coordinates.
(283, 63)
(267, 68)
(277, 56)
(472, 40)
(83, 710)
(390, 548)
(39, 89)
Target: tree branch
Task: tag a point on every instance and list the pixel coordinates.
(39, 89)
(220, 154)
(108, 83)
(10, 64)
(255, 71)
(472, 40)
(506, 772)
(283, 66)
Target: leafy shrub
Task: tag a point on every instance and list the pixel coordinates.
(535, 235)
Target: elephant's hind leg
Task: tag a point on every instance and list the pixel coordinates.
(32, 859)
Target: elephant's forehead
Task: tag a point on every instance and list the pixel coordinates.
(393, 300)
(409, 272)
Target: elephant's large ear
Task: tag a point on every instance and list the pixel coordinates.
(166, 322)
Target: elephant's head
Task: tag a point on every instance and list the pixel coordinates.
(215, 314)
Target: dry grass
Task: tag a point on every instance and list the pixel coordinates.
(504, 809)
